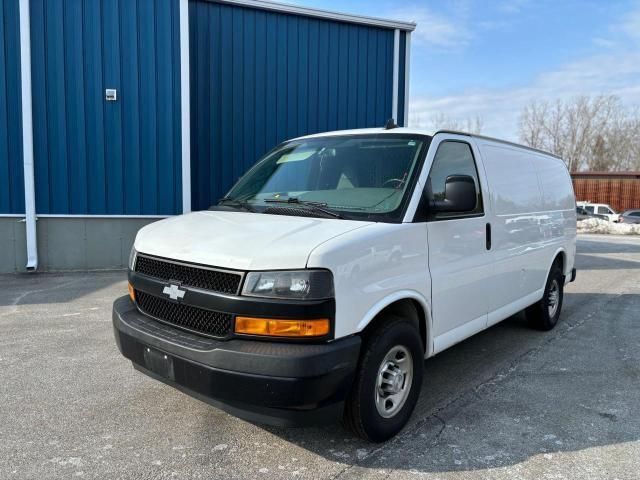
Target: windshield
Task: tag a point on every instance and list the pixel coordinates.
(357, 176)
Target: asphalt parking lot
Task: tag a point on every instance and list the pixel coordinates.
(508, 403)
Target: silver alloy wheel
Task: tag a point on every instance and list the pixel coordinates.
(553, 298)
(393, 382)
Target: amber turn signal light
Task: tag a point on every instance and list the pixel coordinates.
(282, 328)
(132, 293)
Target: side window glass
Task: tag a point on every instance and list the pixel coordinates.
(603, 210)
(453, 158)
(589, 209)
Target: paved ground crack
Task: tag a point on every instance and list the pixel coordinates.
(475, 393)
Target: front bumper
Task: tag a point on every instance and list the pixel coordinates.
(281, 384)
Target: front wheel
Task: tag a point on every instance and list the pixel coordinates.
(545, 313)
(388, 380)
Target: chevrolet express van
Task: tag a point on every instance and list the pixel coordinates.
(317, 286)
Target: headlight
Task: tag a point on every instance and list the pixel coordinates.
(293, 284)
(132, 258)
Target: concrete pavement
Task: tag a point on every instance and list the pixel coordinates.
(508, 403)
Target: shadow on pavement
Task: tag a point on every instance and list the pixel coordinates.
(597, 262)
(629, 244)
(44, 288)
(511, 393)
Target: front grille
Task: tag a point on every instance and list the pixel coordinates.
(199, 277)
(206, 322)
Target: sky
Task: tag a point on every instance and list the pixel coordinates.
(488, 59)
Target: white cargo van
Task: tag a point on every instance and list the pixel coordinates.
(317, 287)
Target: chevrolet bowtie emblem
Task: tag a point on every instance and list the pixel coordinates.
(174, 292)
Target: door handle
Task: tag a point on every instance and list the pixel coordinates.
(488, 239)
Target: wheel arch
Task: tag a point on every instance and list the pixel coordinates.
(410, 304)
(560, 255)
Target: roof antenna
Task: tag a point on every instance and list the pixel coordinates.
(391, 124)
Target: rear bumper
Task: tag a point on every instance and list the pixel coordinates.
(281, 384)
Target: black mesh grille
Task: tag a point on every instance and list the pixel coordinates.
(215, 280)
(207, 322)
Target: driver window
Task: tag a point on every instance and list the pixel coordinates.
(453, 158)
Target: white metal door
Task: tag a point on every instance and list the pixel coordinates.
(459, 259)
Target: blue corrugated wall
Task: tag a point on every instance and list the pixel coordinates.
(258, 78)
(401, 76)
(98, 157)
(11, 167)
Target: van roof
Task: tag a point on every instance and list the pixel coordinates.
(421, 131)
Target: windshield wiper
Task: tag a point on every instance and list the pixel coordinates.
(233, 202)
(320, 207)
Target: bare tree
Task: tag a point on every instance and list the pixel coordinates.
(593, 133)
(532, 124)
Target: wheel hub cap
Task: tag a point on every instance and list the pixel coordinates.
(392, 379)
(393, 382)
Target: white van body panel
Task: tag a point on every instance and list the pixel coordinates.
(530, 206)
(515, 198)
(533, 219)
(371, 266)
(458, 263)
(240, 240)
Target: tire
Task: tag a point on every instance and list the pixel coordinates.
(395, 344)
(542, 314)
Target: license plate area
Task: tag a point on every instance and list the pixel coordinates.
(159, 363)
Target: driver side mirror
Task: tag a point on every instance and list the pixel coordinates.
(460, 195)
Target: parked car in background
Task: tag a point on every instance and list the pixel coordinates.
(630, 216)
(584, 214)
(600, 209)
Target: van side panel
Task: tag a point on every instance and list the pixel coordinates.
(533, 219)
(517, 244)
(513, 182)
(558, 199)
(555, 183)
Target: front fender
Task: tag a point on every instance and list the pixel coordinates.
(379, 306)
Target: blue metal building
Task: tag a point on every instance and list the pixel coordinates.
(11, 169)
(115, 113)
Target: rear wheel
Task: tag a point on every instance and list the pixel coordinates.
(545, 313)
(388, 380)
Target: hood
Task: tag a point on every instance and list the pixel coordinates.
(240, 240)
